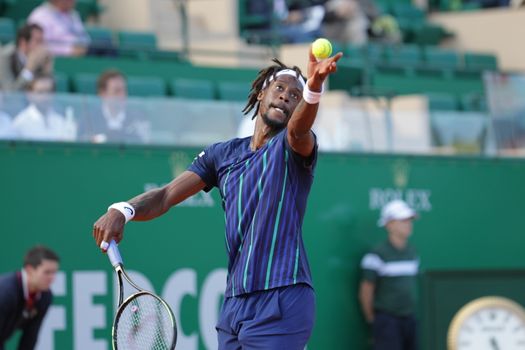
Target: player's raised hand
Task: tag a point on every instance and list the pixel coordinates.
(109, 226)
(318, 70)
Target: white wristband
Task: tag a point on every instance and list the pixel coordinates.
(312, 97)
(125, 208)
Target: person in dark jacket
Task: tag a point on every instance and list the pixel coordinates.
(25, 297)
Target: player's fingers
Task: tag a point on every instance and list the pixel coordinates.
(118, 237)
(311, 56)
(336, 57)
(96, 234)
(107, 236)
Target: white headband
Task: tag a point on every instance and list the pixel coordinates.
(285, 72)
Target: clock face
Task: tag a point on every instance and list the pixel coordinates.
(488, 324)
(492, 329)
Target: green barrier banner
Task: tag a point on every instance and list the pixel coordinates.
(471, 213)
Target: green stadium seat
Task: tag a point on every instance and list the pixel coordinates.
(405, 55)
(438, 58)
(61, 82)
(355, 53)
(128, 40)
(349, 75)
(406, 84)
(480, 61)
(474, 102)
(251, 26)
(233, 91)
(375, 53)
(19, 9)
(166, 55)
(193, 88)
(101, 37)
(442, 102)
(407, 11)
(88, 8)
(146, 86)
(7, 30)
(428, 34)
(85, 83)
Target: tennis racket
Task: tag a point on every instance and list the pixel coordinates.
(143, 320)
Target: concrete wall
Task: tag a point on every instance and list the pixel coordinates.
(500, 31)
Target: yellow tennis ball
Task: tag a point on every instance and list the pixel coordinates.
(322, 48)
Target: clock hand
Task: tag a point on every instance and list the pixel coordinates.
(494, 343)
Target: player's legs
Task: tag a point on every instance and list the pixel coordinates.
(386, 332)
(281, 318)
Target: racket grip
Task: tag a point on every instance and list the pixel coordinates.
(114, 254)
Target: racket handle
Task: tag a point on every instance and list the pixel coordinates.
(114, 254)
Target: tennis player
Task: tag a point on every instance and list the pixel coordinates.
(264, 181)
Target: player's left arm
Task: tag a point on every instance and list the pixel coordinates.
(300, 136)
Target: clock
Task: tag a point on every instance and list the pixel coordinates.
(488, 323)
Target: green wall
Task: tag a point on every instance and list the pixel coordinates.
(471, 219)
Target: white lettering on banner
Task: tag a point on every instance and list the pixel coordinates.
(199, 200)
(87, 316)
(209, 306)
(419, 199)
(55, 319)
(181, 283)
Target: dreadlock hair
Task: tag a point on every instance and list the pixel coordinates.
(257, 85)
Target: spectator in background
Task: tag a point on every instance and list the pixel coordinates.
(293, 22)
(64, 31)
(346, 22)
(27, 58)
(39, 120)
(25, 296)
(6, 126)
(112, 120)
(388, 288)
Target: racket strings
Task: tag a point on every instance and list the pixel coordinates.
(144, 324)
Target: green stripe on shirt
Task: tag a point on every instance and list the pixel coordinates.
(276, 227)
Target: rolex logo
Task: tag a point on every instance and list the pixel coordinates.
(179, 161)
(401, 170)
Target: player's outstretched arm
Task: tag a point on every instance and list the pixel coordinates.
(299, 135)
(156, 202)
(147, 206)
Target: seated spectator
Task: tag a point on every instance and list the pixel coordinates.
(6, 127)
(112, 120)
(22, 61)
(64, 31)
(346, 22)
(386, 29)
(39, 121)
(298, 23)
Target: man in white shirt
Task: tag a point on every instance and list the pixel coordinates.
(39, 121)
(64, 31)
(111, 120)
(6, 127)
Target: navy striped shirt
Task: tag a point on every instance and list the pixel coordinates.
(264, 195)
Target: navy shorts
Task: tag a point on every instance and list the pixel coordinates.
(280, 318)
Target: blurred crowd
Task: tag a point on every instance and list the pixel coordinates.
(55, 29)
(345, 21)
